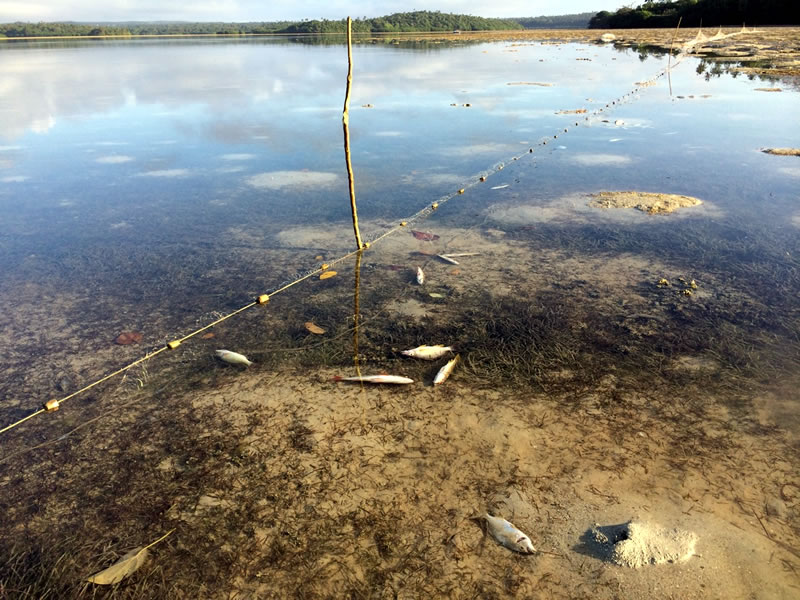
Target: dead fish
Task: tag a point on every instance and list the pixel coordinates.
(445, 371)
(427, 352)
(507, 535)
(375, 379)
(233, 358)
(420, 276)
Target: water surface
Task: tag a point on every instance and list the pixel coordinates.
(155, 186)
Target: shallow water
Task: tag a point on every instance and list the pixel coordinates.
(155, 186)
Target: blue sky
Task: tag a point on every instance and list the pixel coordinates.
(275, 10)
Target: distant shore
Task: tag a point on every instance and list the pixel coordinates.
(769, 51)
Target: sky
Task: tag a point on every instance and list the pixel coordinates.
(276, 10)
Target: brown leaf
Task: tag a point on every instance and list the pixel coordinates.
(314, 328)
(128, 337)
(328, 274)
(425, 236)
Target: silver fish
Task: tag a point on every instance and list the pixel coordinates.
(420, 276)
(375, 379)
(445, 371)
(507, 535)
(233, 358)
(427, 352)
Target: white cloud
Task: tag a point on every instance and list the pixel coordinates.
(474, 149)
(601, 160)
(790, 171)
(15, 179)
(238, 156)
(166, 173)
(276, 180)
(114, 159)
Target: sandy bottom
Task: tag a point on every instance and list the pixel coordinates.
(382, 485)
(280, 482)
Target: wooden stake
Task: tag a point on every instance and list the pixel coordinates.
(346, 127)
(669, 59)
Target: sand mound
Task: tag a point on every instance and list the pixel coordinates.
(782, 151)
(645, 201)
(636, 543)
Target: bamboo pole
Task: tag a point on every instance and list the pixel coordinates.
(669, 58)
(346, 127)
(357, 310)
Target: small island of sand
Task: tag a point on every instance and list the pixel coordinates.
(648, 202)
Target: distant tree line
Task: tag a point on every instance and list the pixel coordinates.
(81, 29)
(398, 22)
(574, 21)
(421, 20)
(693, 13)
(58, 29)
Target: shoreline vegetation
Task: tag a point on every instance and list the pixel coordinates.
(651, 14)
(408, 22)
(695, 13)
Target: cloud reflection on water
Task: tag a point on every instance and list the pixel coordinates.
(265, 79)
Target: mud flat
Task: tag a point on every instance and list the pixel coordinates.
(771, 51)
(651, 203)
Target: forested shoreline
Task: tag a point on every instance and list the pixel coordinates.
(694, 13)
(654, 13)
(417, 21)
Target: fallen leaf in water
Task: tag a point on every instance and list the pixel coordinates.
(318, 257)
(436, 295)
(208, 336)
(455, 271)
(425, 236)
(125, 566)
(314, 328)
(128, 337)
(328, 275)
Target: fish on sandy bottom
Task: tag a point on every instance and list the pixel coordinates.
(427, 352)
(445, 371)
(507, 535)
(233, 358)
(420, 276)
(396, 379)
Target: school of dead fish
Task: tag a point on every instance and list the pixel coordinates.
(503, 532)
(424, 352)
